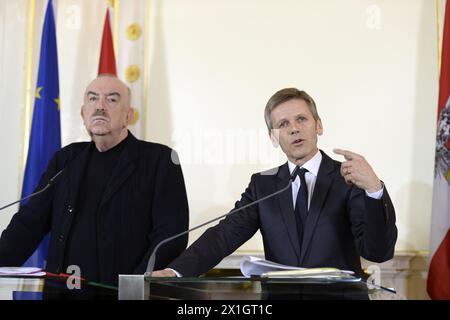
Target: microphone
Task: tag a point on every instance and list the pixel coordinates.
(151, 260)
(50, 183)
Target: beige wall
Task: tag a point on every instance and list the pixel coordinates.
(370, 65)
(12, 29)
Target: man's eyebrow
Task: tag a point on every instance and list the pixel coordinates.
(280, 121)
(95, 94)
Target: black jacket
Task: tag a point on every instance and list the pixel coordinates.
(144, 202)
(342, 225)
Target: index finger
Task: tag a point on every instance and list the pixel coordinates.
(348, 155)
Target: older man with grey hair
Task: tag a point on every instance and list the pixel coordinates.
(116, 198)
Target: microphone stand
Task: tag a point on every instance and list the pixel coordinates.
(50, 183)
(151, 260)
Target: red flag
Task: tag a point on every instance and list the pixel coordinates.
(438, 283)
(107, 62)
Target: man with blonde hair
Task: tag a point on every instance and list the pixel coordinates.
(333, 213)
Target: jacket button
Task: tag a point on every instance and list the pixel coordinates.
(69, 209)
(61, 238)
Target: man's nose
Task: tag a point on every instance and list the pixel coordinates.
(101, 103)
(295, 128)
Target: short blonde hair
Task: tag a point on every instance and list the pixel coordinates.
(284, 95)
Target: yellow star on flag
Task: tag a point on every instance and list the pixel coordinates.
(58, 103)
(38, 93)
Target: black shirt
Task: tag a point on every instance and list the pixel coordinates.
(82, 243)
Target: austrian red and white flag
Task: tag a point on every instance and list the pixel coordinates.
(438, 285)
(128, 63)
(107, 62)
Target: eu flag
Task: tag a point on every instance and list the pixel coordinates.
(45, 137)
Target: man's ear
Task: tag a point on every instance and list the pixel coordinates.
(274, 135)
(130, 115)
(319, 127)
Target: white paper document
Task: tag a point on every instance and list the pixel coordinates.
(267, 269)
(21, 271)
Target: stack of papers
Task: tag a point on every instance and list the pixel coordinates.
(22, 271)
(311, 273)
(268, 269)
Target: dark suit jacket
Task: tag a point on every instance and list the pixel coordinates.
(143, 203)
(342, 225)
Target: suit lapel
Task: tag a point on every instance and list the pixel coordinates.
(287, 208)
(124, 168)
(321, 188)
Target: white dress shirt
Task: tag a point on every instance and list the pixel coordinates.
(313, 165)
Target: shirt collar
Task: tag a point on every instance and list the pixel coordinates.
(312, 165)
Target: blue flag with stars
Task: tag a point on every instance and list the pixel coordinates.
(45, 137)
